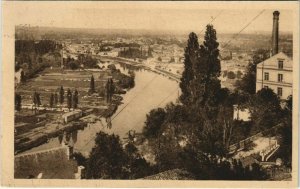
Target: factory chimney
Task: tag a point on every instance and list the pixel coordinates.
(275, 32)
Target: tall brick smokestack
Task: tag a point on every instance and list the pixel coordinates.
(275, 32)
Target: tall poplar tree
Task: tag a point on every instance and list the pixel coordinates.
(92, 85)
(201, 91)
(51, 101)
(22, 77)
(206, 84)
(190, 58)
(61, 95)
(18, 102)
(69, 99)
(55, 99)
(75, 99)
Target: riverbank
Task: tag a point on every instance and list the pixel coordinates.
(40, 136)
(34, 126)
(146, 66)
(130, 108)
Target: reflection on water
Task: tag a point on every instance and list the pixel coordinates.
(150, 91)
(108, 123)
(74, 136)
(60, 138)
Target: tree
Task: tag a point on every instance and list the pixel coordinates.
(69, 99)
(206, 95)
(51, 101)
(248, 82)
(55, 99)
(110, 89)
(286, 133)
(154, 122)
(150, 52)
(231, 75)
(61, 95)
(225, 115)
(36, 100)
(138, 167)
(190, 55)
(206, 84)
(81, 160)
(239, 74)
(214, 168)
(265, 109)
(75, 99)
(92, 85)
(73, 65)
(172, 59)
(18, 102)
(22, 77)
(107, 159)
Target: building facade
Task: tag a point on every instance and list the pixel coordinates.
(276, 73)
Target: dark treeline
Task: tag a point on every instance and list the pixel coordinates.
(55, 98)
(38, 47)
(120, 44)
(110, 160)
(83, 61)
(30, 56)
(133, 53)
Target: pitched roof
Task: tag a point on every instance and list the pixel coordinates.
(273, 60)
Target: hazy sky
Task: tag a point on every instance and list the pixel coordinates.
(161, 16)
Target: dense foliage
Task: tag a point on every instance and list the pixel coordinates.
(195, 134)
(248, 82)
(34, 56)
(133, 53)
(265, 109)
(83, 61)
(109, 160)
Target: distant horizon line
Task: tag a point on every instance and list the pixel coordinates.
(180, 32)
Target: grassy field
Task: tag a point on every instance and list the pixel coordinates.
(50, 81)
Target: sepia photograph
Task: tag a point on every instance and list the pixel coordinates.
(161, 91)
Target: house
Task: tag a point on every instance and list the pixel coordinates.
(70, 116)
(276, 72)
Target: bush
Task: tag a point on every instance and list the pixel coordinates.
(231, 75)
(73, 65)
(239, 74)
(112, 67)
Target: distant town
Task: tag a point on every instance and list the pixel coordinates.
(111, 104)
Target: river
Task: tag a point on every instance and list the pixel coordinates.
(151, 90)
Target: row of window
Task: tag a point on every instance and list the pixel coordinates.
(279, 78)
(279, 90)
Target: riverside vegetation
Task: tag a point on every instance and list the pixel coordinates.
(195, 133)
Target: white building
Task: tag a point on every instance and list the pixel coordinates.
(276, 73)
